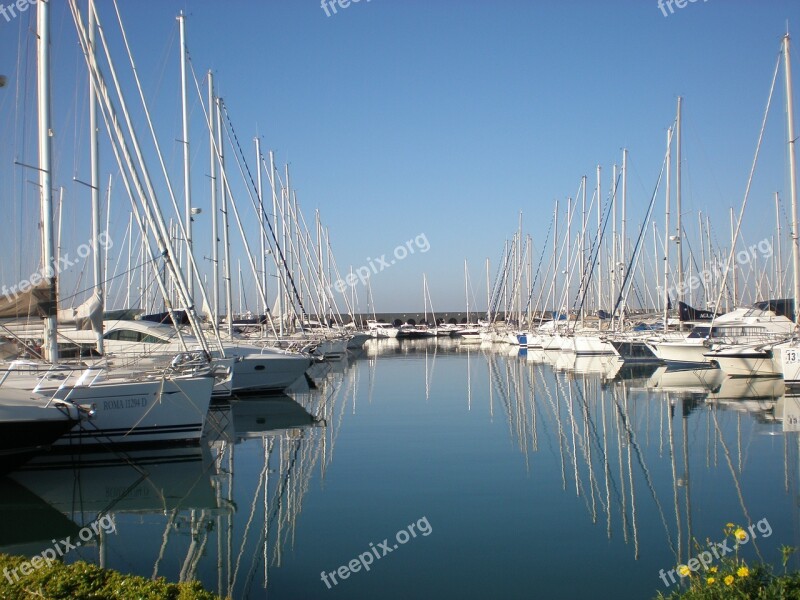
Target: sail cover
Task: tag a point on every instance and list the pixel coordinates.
(35, 301)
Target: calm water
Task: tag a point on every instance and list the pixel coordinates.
(522, 476)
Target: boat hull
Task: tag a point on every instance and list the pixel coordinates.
(169, 411)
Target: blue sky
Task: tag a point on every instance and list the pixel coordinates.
(441, 118)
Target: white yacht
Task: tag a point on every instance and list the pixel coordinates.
(126, 408)
(255, 369)
(761, 323)
(382, 330)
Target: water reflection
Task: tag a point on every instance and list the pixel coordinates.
(639, 459)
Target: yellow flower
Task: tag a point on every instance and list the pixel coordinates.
(684, 571)
(728, 524)
(740, 534)
(713, 570)
(728, 580)
(710, 580)
(743, 572)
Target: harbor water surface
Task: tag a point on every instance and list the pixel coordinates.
(420, 469)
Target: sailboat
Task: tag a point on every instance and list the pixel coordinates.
(167, 406)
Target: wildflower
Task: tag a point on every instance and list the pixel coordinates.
(710, 580)
(684, 571)
(713, 570)
(743, 572)
(728, 580)
(740, 534)
(729, 525)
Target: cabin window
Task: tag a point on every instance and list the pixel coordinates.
(124, 335)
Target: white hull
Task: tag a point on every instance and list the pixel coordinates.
(156, 411)
(687, 352)
(748, 363)
(588, 345)
(267, 372)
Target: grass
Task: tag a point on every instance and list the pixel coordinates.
(85, 581)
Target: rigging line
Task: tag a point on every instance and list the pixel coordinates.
(539, 266)
(297, 295)
(106, 281)
(596, 250)
(747, 189)
(631, 272)
(496, 282)
(240, 159)
(143, 180)
(499, 280)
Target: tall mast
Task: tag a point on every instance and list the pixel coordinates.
(613, 282)
(792, 177)
(734, 274)
(582, 260)
(779, 243)
(272, 177)
(285, 212)
(667, 236)
(212, 128)
(261, 233)
(556, 308)
(488, 295)
(624, 240)
(45, 179)
(225, 225)
(187, 187)
(466, 288)
(678, 223)
(94, 159)
(599, 260)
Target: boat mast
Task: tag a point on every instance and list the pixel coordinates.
(45, 180)
(667, 236)
(187, 187)
(226, 274)
(678, 223)
(778, 243)
(212, 125)
(94, 159)
(466, 288)
(623, 241)
(599, 261)
(278, 268)
(792, 177)
(262, 234)
(613, 269)
(734, 274)
(488, 295)
(583, 247)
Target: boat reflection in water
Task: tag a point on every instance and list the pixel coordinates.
(642, 460)
(181, 513)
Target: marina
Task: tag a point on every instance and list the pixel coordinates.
(241, 362)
